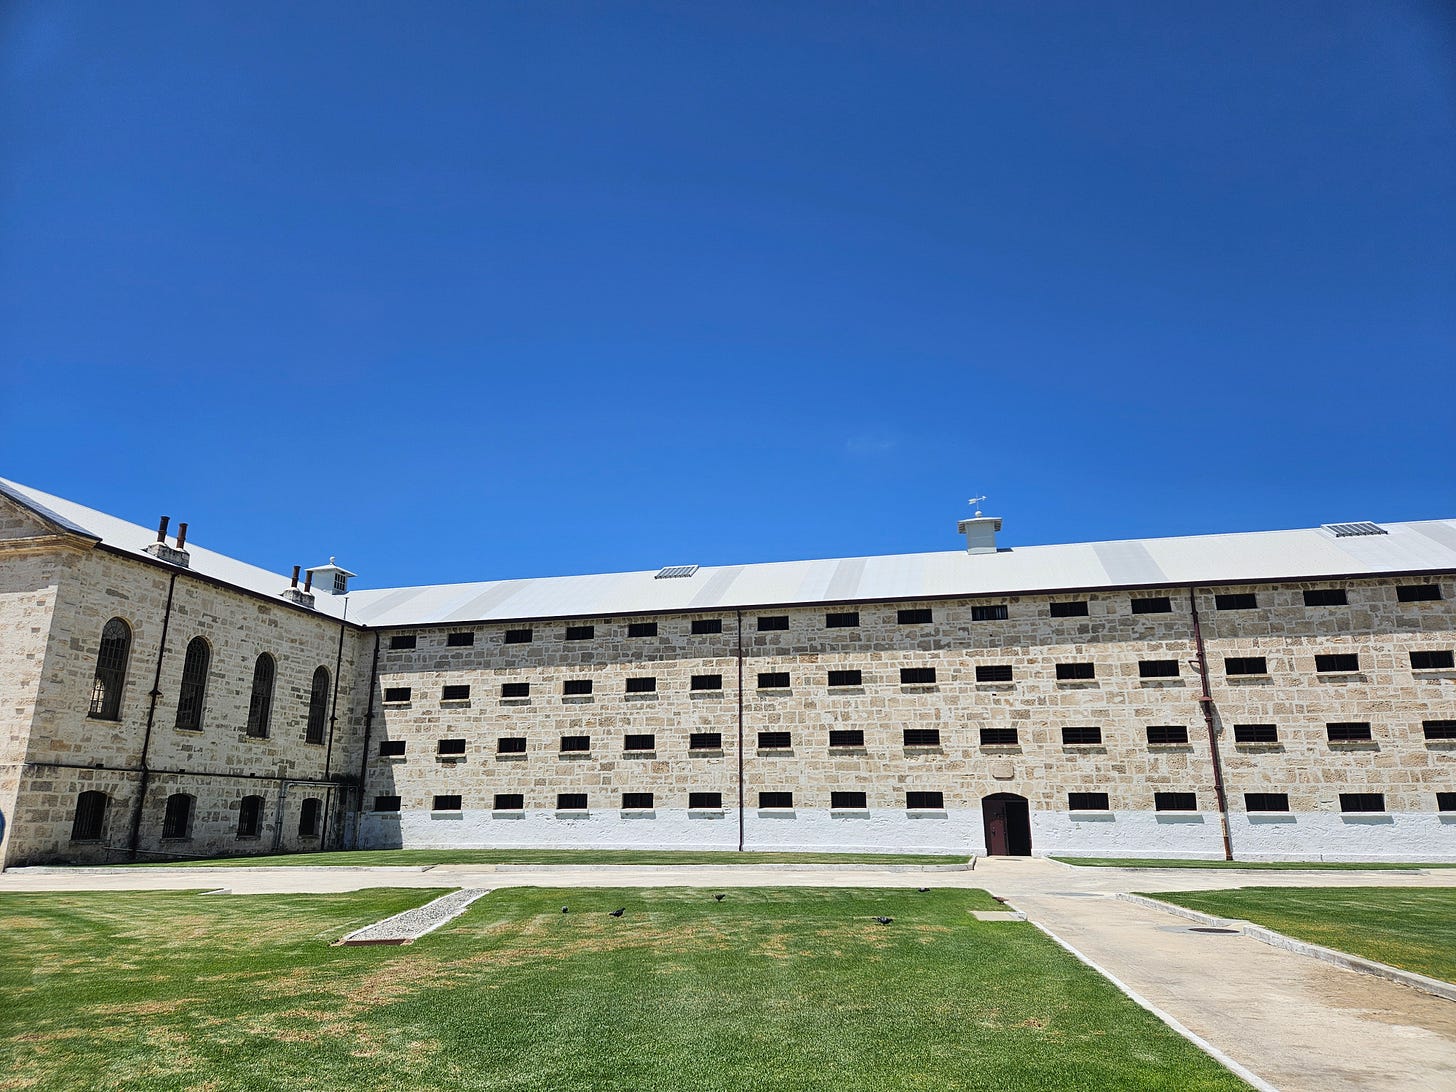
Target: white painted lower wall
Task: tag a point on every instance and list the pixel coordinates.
(1300, 836)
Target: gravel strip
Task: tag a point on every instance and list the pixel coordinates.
(412, 924)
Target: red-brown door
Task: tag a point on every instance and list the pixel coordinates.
(997, 844)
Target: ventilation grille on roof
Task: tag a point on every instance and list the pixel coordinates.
(676, 570)
(1350, 530)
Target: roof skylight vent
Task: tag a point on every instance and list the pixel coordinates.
(673, 571)
(1352, 530)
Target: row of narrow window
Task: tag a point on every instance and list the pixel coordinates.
(1435, 731)
(989, 612)
(1350, 802)
(1331, 663)
(111, 664)
(89, 821)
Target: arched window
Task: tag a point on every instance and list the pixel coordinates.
(110, 670)
(194, 685)
(260, 707)
(318, 706)
(250, 817)
(90, 818)
(308, 818)
(177, 821)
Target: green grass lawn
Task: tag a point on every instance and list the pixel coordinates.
(1272, 866)
(772, 989)
(1413, 929)
(558, 856)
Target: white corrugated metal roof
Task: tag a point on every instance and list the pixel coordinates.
(1196, 559)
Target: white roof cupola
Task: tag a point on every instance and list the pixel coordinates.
(980, 531)
(330, 578)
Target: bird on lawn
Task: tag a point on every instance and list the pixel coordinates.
(922, 890)
(565, 909)
(718, 898)
(618, 912)
(884, 921)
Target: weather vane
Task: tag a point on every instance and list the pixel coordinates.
(975, 502)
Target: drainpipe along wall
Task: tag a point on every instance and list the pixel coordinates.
(134, 839)
(1205, 703)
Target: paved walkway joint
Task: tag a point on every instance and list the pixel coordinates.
(409, 926)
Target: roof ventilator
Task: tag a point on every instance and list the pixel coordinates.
(1353, 530)
(980, 531)
(673, 571)
(172, 555)
(331, 578)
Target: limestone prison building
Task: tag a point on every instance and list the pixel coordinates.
(1282, 694)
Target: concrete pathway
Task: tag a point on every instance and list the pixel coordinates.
(1293, 1021)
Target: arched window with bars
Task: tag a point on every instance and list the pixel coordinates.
(89, 823)
(111, 660)
(318, 706)
(260, 705)
(177, 819)
(250, 817)
(194, 685)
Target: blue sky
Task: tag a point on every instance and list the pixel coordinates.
(462, 291)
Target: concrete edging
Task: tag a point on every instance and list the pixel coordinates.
(779, 867)
(1349, 962)
(1192, 1036)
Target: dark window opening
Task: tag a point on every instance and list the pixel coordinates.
(917, 676)
(913, 616)
(386, 803)
(90, 816)
(1087, 801)
(308, 817)
(260, 703)
(636, 801)
(460, 640)
(1362, 801)
(641, 629)
(640, 742)
(1167, 733)
(402, 640)
(999, 737)
(1175, 801)
(774, 741)
(509, 801)
(994, 673)
(924, 801)
(1325, 597)
(841, 619)
(1157, 669)
(1245, 665)
(705, 741)
(455, 692)
(446, 803)
(845, 678)
(707, 625)
(576, 743)
(1152, 604)
(1439, 729)
(516, 690)
(194, 685)
(1256, 733)
(1417, 593)
(391, 747)
(705, 800)
(922, 737)
(396, 693)
(767, 622)
(318, 706)
(576, 687)
(1081, 734)
(1446, 801)
(646, 684)
(1348, 732)
(993, 612)
(776, 800)
(1076, 608)
(510, 745)
(707, 682)
(571, 801)
(1075, 672)
(846, 737)
(580, 633)
(177, 818)
(111, 660)
(450, 747)
(1337, 661)
(250, 817)
(1432, 660)
(773, 680)
(848, 801)
(518, 636)
(1236, 601)
(1266, 801)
